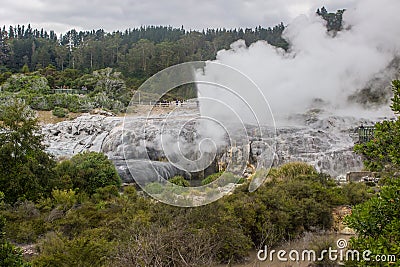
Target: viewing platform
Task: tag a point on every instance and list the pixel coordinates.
(365, 133)
(69, 91)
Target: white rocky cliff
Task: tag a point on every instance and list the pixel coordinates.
(326, 143)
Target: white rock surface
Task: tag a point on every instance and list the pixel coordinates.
(325, 143)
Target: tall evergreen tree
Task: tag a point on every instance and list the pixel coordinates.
(25, 168)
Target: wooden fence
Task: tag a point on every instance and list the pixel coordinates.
(69, 91)
(169, 104)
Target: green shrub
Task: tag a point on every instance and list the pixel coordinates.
(130, 192)
(57, 250)
(24, 223)
(377, 224)
(223, 178)
(11, 256)
(64, 199)
(179, 180)
(292, 170)
(60, 112)
(106, 193)
(4, 76)
(154, 188)
(382, 153)
(211, 178)
(89, 171)
(30, 83)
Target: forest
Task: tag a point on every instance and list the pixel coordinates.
(137, 53)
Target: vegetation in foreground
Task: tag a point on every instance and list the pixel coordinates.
(377, 221)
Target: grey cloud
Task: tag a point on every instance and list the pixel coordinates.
(63, 15)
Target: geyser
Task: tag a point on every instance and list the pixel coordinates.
(319, 65)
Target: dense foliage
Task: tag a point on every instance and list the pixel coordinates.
(109, 229)
(382, 153)
(27, 172)
(59, 112)
(138, 52)
(10, 255)
(179, 180)
(25, 169)
(87, 172)
(105, 89)
(377, 221)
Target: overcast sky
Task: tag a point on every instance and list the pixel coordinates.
(62, 15)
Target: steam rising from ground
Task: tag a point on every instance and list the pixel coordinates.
(320, 70)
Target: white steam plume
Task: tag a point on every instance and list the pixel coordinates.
(319, 66)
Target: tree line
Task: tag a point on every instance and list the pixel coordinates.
(136, 52)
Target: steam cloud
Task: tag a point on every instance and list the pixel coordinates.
(318, 66)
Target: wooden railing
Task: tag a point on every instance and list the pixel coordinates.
(68, 91)
(169, 104)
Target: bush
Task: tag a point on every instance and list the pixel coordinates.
(4, 76)
(293, 170)
(179, 180)
(22, 82)
(64, 199)
(223, 178)
(154, 188)
(377, 223)
(59, 112)
(382, 153)
(10, 255)
(211, 178)
(89, 171)
(57, 250)
(106, 193)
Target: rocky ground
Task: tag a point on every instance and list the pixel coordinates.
(325, 142)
